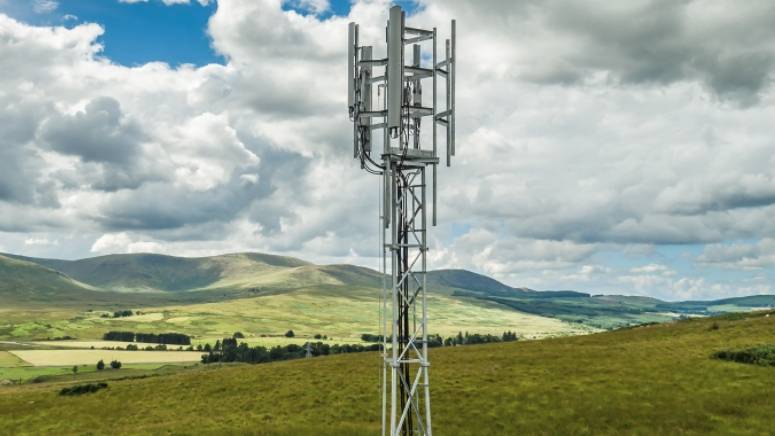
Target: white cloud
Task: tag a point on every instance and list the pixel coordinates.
(44, 6)
(311, 6)
(744, 256)
(40, 241)
(170, 2)
(124, 243)
(573, 150)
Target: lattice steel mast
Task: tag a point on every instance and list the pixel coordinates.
(403, 165)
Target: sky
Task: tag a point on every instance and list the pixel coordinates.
(608, 147)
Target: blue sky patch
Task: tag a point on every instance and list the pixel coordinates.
(135, 33)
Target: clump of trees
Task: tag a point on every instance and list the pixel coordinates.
(460, 339)
(289, 334)
(153, 338)
(366, 337)
(122, 313)
(238, 335)
(476, 338)
(100, 365)
(119, 336)
(164, 338)
(115, 364)
(229, 350)
(83, 389)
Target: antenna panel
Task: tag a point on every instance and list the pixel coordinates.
(395, 67)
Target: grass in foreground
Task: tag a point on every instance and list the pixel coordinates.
(659, 379)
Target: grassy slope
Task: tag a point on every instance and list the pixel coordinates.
(27, 281)
(649, 380)
(335, 300)
(155, 272)
(39, 302)
(334, 311)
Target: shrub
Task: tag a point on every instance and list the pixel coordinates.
(83, 389)
(762, 355)
(714, 326)
(367, 337)
(238, 335)
(100, 365)
(122, 313)
(115, 364)
(289, 334)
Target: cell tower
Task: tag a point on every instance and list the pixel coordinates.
(397, 113)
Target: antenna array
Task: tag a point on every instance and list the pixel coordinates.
(385, 99)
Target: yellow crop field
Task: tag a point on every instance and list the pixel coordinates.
(100, 344)
(84, 357)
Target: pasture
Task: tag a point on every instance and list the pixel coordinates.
(98, 344)
(339, 314)
(81, 357)
(658, 379)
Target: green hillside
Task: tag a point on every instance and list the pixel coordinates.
(252, 293)
(27, 281)
(658, 379)
(266, 294)
(156, 272)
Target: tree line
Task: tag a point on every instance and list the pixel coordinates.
(152, 338)
(459, 339)
(230, 350)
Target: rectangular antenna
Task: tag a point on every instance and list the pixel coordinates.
(452, 73)
(366, 98)
(351, 66)
(447, 63)
(395, 68)
(435, 153)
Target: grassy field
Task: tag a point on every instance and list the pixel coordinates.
(96, 344)
(64, 374)
(8, 359)
(343, 314)
(658, 379)
(81, 357)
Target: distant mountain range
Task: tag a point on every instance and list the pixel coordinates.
(152, 279)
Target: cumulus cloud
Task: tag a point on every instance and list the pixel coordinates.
(634, 42)
(753, 256)
(585, 134)
(97, 134)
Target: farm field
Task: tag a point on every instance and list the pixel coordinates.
(265, 295)
(81, 357)
(98, 344)
(87, 372)
(340, 314)
(657, 379)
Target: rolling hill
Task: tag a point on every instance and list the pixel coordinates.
(160, 273)
(261, 293)
(657, 379)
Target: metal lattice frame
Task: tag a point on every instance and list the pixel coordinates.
(408, 358)
(403, 165)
